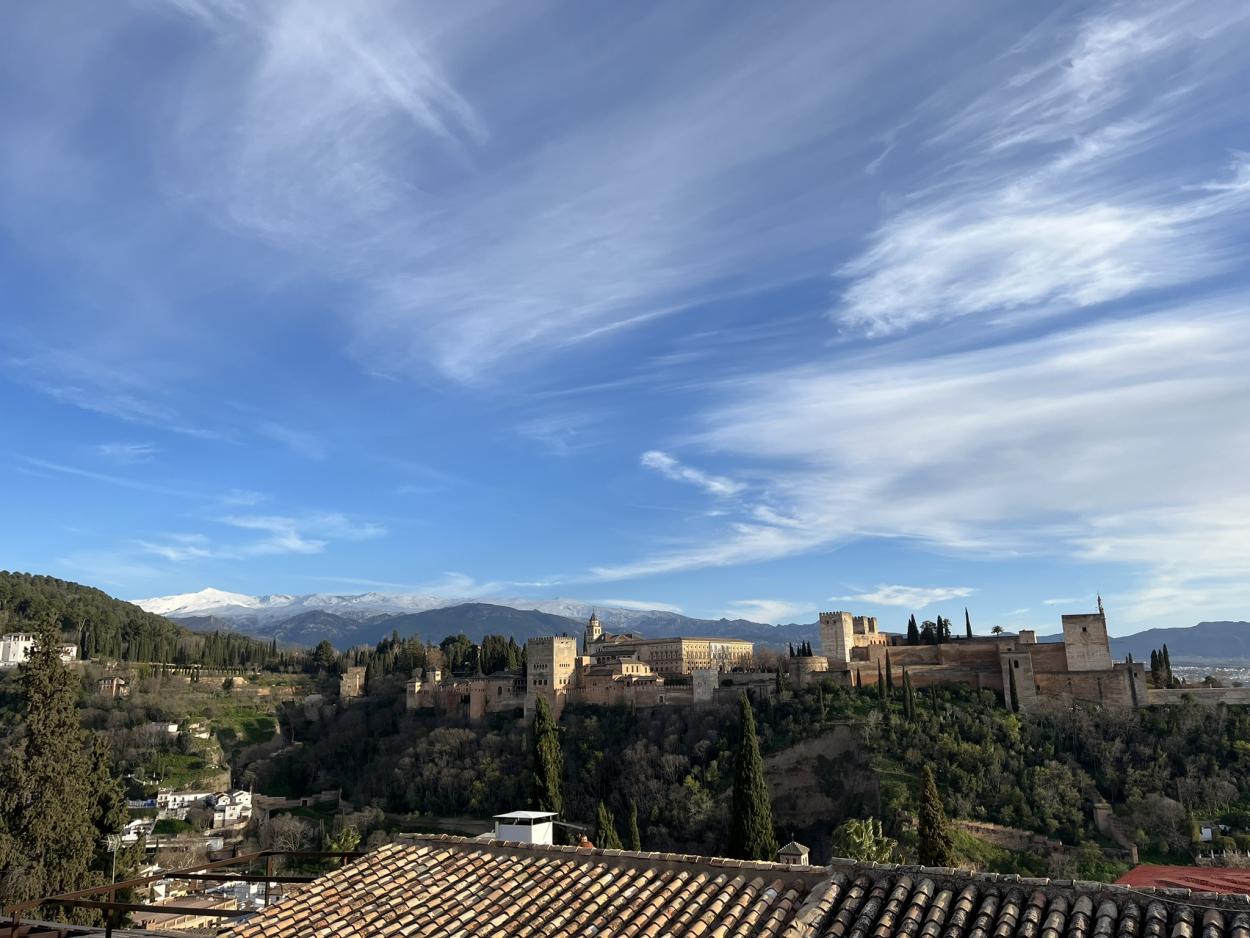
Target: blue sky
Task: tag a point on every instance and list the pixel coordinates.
(751, 312)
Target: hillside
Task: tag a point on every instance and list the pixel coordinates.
(103, 626)
(1206, 641)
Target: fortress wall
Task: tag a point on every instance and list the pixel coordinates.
(973, 677)
(1106, 687)
(1203, 695)
(1049, 656)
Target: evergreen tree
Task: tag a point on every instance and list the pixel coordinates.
(880, 684)
(1155, 670)
(605, 836)
(913, 630)
(46, 801)
(635, 838)
(108, 802)
(1014, 695)
(934, 846)
(967, 623)
(1167, 667)
(324, 656)
(751, 834)
(547, 762)
(909, 698)
(863, 841)
(889, 673)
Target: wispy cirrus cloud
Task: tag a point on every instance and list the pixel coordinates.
(1007, 451)
(670, 468)
(120, 452)
(1046, 203)
(911, 597)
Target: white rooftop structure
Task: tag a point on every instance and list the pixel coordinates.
(527, 827)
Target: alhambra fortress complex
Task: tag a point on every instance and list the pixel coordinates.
(630, 670)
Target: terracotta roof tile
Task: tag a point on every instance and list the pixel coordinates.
(446, 886)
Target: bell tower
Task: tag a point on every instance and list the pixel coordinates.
(594, 632)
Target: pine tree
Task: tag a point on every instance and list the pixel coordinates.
(547, 762)
(967, 623)
(913, 631)
(605, 836)
(934, 846)
(751, 834)
(635, 838)
(46, 801)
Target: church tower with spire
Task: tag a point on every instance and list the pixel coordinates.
(594, 633)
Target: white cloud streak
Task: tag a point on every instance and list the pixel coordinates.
(1043, 208)
(1081, 444)
(911, 597)
(670, 468)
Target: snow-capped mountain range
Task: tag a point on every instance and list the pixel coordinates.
(351, 619)
(224, 605)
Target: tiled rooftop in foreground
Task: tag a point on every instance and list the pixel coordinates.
(449, 886)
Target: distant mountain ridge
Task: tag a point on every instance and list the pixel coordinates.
(1206, 641)
(366, 618)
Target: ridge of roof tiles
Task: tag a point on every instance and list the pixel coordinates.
(441, 885)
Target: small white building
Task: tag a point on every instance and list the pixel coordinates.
(229, 808)
(139, 827)
(175, 804)
(15, 648)
(163, 728)
(527, 827)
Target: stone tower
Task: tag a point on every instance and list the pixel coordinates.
(1085, 641)
(551, 670)
(837, 638)
(594, 632)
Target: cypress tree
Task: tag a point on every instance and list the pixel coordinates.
(606, 837)
(635, 838)
(967, 623)
(934, 846)
(751, 834)
(889, 673)
(880, 684)
(1154, 666)
(1014, 694)
(547, 762)
(46, 801)
(909, 698)
(913, 631)
(1167, 665)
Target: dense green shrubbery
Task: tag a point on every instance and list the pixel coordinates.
(1159, 767)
